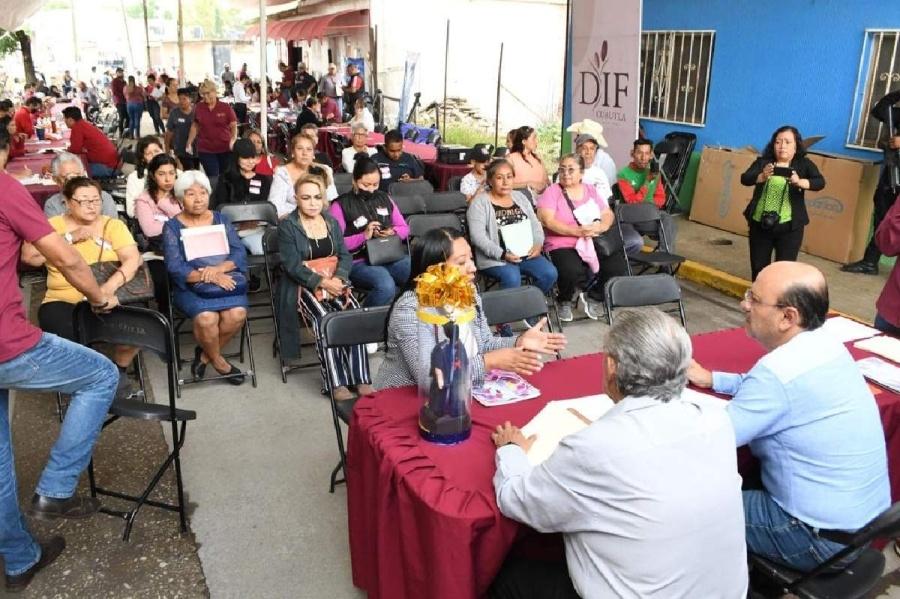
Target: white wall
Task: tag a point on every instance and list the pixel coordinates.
(533, 33)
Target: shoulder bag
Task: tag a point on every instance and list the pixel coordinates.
(384, 250)
(138, 290)
(607, 243)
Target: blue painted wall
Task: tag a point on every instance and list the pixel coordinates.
(776, 62)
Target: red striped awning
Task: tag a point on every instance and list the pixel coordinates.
(308, 28)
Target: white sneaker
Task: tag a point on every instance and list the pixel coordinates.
(371, 348)
(565, 312)
(592, 308)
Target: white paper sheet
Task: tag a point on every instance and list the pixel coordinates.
(518, 237)
(881, 372)
(555, 421)
(203, 242)
(845, 330)
(587, 213)
(889, 347)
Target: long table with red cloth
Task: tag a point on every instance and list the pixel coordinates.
(423, 518)
(36, 158)
(440, 173)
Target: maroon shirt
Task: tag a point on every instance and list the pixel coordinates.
(20, 219)
(88, 139)
(118, 90)
(214, 127)
(887, 238)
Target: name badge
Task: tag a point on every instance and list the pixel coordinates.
(105, 245)
(382, 211)
(182, 120)
(254, 190)
(385, 172)
(160, 218)
(360, 222)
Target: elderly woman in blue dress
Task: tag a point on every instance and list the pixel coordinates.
(212, 290)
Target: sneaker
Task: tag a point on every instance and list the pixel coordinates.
(592, 308)
(565, 312)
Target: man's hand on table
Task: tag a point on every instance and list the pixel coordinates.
(507, 433)
(699, 376)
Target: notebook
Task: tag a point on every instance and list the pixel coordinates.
(882, 345)
(881, 372)
(845, 330)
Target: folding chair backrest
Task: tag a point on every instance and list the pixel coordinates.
(646, 290)
(453, 183)
(343, 182)
(644, 217)
(527, 193)
(419, 187)
(419, 224)
(354, 327)
(512, 305)
(446, 201)
(251, 211)
(270, 247)
(409, 204)
(125, 325)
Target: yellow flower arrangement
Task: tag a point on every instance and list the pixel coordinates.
(443, 287)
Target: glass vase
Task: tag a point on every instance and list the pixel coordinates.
(445, 382)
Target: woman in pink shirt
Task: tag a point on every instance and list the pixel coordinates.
(134, 96)
(529, 168)
(157, 204)
(573, 215)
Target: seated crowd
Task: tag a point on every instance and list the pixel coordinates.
(521, 226)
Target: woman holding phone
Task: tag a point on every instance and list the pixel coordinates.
(777, 214)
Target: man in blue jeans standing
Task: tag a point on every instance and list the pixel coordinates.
(32, 359)
(810, 418)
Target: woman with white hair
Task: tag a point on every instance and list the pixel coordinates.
(210, 289)
(359, 138)
(214, 129)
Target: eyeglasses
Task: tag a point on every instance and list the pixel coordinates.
(567, 171)
(83, 203)
(306, 198)
(753, 300)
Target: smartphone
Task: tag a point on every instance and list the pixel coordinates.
(783, 171)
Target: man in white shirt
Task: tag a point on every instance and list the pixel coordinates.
(648, 497)
(241, 99)
(586, 145)
(359, 136)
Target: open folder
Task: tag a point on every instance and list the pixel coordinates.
(566, 417)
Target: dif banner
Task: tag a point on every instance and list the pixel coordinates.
(604, 44)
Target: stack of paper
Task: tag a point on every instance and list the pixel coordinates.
(204, 242)
(882, 345)
(845, 330)
(560, 419)
(881, 372)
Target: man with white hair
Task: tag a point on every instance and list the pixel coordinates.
(648, 497)
(67, 166)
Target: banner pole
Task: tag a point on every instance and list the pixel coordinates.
(497, 107)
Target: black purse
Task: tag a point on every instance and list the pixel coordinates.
(607, 243)
(769, 220)
(384, 250)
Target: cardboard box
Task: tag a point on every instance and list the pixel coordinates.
(840, 215)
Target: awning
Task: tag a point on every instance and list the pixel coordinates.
(14, 13)
(304, 28)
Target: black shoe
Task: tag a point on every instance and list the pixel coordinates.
(861, 267)
(72, 508)
(235, 379)
(198, 368)
(49, 552)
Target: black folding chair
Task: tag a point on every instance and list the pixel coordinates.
(410, 204)
(674, 156)
(358, 326)
(650, 290)
(419, 187)
(343, 182)
(646, 220)
(517, 303)
(419, 224)
(446, 201)
(453, 183)
(147, 330)
(849, 582)
(274, 272)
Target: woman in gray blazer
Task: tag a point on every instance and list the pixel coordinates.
(401, 362)
(506, 234)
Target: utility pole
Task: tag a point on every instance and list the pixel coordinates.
(75, 44)
(147, 34)
(181, 76)
(127, 33)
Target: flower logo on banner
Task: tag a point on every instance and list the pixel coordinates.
(605, 91)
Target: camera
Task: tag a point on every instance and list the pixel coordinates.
(783, 171)
(769, 220)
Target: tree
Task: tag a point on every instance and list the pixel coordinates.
(12, 41)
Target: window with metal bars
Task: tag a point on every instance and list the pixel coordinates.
(675, 67)
(879, 73)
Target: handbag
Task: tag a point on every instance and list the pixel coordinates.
(139, 289)
(385, 250)
(607, 243)
(325, 268)
(212, 291)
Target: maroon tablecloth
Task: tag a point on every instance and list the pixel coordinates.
(423, 519)
(36, 160)
(440, 174)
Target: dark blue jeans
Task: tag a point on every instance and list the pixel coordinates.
(54, 364)
(885, 327)
(776, 535)
(214, 164)
(380, 282)
(135, 112)
(540, 270)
